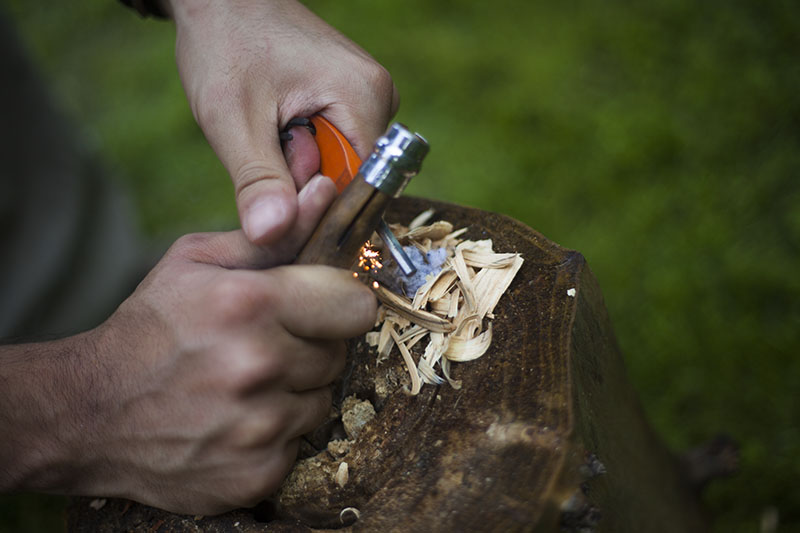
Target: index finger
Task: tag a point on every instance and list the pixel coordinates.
(321, 302)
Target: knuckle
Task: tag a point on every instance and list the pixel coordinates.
(375, 86)
(187, 245)
(251, 365)
(253, 172)
(234, 300)
(258, 430)
(209, 105)
(380, 79)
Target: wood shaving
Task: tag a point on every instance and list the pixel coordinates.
(421, 219)
(342, 474)
(451, 313)
(343, 514)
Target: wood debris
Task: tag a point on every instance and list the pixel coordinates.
(349, 514)
(355, 415)
(342, 474)
(98, 503)
(450, 314)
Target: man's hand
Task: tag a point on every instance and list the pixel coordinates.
(248, 67)
(193, 395)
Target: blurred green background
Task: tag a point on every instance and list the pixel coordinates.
(660, 139)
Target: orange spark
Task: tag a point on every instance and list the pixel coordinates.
(369, 258)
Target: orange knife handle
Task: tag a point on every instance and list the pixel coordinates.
(338, 160)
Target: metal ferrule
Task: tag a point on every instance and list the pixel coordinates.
(396, 159)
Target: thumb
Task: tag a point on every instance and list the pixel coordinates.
(234, 250)
(250, 150)
(265, 192)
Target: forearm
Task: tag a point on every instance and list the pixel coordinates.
(43, 411)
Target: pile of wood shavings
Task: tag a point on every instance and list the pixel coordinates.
(453, 309)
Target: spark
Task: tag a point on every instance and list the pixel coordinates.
(375, 285)
(369, 258)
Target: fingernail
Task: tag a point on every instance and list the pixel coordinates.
(311, 187)
(265, 216)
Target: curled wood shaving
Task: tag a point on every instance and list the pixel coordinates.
(403, 308)
(428, 373)
(452, 309)
(372, 338)
(455, 383)
(421, 219)
(484, 260)
(468, 348)
(416, 384)
(356, 514)
(414, 339)
(443, 284)
(436, 231)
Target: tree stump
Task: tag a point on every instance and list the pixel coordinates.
(546, 433)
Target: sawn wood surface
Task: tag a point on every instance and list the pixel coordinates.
(518, 448)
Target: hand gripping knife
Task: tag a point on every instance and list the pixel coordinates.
(366, 189)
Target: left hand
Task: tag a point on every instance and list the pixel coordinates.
(248, 67)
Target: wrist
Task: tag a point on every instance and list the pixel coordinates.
(44, 424)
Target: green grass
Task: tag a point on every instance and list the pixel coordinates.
(660, 139)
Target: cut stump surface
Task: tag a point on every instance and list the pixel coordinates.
(546, 433)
